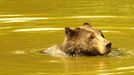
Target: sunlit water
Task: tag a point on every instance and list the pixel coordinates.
(29, 26)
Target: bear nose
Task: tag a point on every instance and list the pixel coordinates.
(109, 45)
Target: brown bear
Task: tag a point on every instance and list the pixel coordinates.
(81, 41)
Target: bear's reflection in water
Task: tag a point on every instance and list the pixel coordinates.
(96, 65)
(84, 65)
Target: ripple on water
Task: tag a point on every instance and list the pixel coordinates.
(53, 29)
(25, 18)
(21, 19)
(119, 70)
(11, 15)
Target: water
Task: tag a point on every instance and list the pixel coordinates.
(28, 26)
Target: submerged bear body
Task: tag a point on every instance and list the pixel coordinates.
(81, 41)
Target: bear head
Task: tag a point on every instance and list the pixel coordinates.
(85, 40)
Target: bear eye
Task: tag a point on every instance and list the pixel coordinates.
(92, 36)
(102, 35)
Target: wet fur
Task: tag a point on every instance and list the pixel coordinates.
(79, 47)
(78, 42)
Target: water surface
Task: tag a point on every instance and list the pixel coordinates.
(28, 26)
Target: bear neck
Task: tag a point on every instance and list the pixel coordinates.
(72, 50)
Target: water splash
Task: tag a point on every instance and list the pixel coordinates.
(118, 52)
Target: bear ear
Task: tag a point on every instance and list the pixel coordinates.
(69, 32)
(87, 24)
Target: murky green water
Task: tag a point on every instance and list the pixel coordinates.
(28, 26)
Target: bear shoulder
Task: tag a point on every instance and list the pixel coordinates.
(55, 51)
